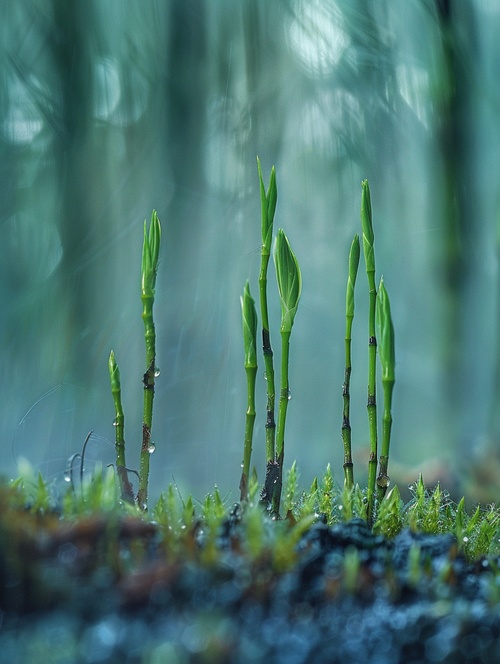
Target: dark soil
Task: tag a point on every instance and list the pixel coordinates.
(76, 594)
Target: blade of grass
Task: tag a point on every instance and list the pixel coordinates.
(249, 316)
(150, 253)
(369, 254)
(388, 361)
(290, 287)
(349, 314)
(119, 423)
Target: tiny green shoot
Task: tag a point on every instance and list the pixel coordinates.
(249, 319)
(149, 269)
(289, 280)
(119, 423)
(387, 360)
(150, 254)
(349, 314)
(369, 254)
(268, 207)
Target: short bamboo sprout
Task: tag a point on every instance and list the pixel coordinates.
(387, 360)
(349, 314)
(249, 316)
(150, 254)
(369, 253)
(268, 208)
(290, 287)
(121, 469)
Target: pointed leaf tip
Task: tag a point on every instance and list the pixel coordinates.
(249, 319)
(289, 279)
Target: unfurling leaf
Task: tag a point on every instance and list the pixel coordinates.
(289, 280)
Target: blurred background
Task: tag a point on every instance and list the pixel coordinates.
(111, 108)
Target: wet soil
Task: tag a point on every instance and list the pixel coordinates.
(100, 592)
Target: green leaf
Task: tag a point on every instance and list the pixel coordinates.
(114, 373)
(385, 334)
(150, 254)
(366, 224)
(249, 316)
(354, 253)
(268, 207)
(289, 280)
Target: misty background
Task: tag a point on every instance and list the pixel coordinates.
(111, 108)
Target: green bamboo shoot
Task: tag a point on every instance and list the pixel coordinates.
(150, 254)
(346, 423)
(249, 316)
(388, 361)
(369, 254)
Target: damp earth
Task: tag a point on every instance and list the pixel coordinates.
(109, 589)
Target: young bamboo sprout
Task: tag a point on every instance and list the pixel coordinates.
(249, 316)
(150, 253)
(290, 287)
(369, 253)
(268, 208)
(121, 469)
(349, 314)
(386, 351)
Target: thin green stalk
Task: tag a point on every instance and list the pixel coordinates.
(369, 253)
(388, 362)
(119, 423)
(349, 314)
(282, 410)
(249, 316)
(150, 253)
(268, 208)
(290, 287)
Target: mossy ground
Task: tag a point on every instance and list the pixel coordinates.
(220, 570)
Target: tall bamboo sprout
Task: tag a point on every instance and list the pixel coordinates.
(369, 253)
(268, 208)
(121, 469)
(150, 253)
(349, 314)
(387, 359)
(249, 316)
(290, 287)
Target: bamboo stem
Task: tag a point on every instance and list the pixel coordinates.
(369, 254)
(282, 410)
(388, 362)
(119, 423)
(249, 318)
(268, 208)
(289, 280)
(346, 423)
(150, 253)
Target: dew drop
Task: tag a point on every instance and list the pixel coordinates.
(289, 395)
(157, 372)
(265, 375)
(151, 448)
(67, 476)
(383, 481)
(115, 422)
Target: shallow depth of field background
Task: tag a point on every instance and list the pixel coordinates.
(109, 108)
